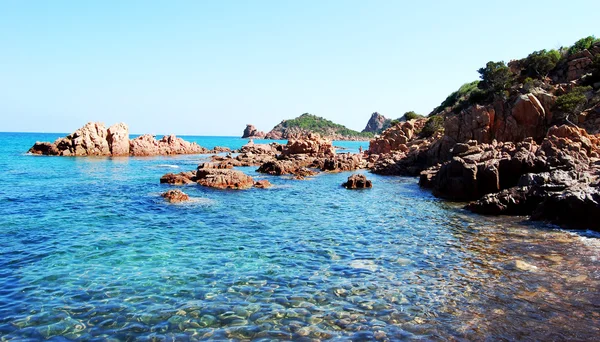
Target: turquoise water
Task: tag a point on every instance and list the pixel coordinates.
(90, 251)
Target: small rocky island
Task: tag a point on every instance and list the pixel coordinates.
(306, 124)
(94, 139)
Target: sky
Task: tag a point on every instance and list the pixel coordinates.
(211, 67)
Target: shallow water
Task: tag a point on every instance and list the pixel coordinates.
(90, 251)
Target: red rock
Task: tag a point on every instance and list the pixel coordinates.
(175, 196)
(224, 179)
(262, 184)
(357, 181)
(311, 144)
(252, 132)
(118, 139)
(179, 179)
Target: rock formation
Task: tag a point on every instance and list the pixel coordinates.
(252, 132)
(377, 123)
(357, 181)
(175, 196)
(223, 179)
(94, 139)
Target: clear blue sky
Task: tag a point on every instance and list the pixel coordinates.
(210, 67)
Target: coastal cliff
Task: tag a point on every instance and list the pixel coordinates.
(522, 140)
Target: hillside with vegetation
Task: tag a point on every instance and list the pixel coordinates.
(309, 123)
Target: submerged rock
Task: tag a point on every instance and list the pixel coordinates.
(357, 181)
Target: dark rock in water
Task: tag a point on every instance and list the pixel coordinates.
(357, 181)
(179, 179)
(577, 206)
(223, 179)
(175, 196)
(44, 148)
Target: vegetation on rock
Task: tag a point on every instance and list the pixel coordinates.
(316, 124)
(496, 78)
(540, 63)
(573, 102)
(583, 44)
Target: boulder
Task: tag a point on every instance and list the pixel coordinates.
(311, 144)
(118, 139)
(182, 178)
(357, 181)
(223, 179)
(262, 184)
(175, 196)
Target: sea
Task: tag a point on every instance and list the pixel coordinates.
(90, 251)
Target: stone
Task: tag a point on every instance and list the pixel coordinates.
(182, 178)
(262, 184)
(357, 181)
(223, 179)
(175, 196)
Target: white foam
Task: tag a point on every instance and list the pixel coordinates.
(171, 166)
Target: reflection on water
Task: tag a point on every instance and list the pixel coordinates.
(90, 251)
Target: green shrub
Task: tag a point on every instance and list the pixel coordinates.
(540, 63)
(496, 78)
(434, 124)
(583, 44)
(528, 84)
(412, 115)
(571, 103)
(458, 96)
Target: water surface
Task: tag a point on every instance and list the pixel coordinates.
(90, 251)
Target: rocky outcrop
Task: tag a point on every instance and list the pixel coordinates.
(357, 181)
(311, 144)
(146, 145)
(94, 139)
(263, 184)
(118, 139)
(396, 138)
(251, 132)
(377, 123)
(175, 196)
(224, 179)
(556, 180)
(182, 178)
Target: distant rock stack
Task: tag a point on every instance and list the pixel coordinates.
(377, 123)
(94, 139)
(252, 132)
